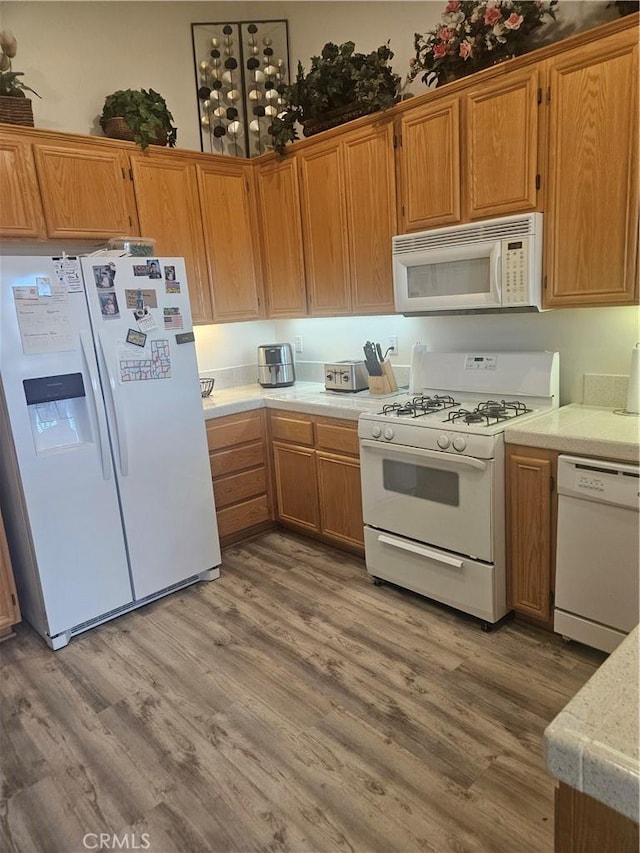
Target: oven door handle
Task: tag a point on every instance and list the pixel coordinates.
(426, 454)
(414, 548)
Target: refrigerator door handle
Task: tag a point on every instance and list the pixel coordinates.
(121, 436)
(103, 438)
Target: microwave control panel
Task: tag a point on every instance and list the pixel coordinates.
(515, 265)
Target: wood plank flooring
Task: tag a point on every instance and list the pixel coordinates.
(289, 706)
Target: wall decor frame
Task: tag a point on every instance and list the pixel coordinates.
(241, 69)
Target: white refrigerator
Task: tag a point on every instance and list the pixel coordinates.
(105, 484)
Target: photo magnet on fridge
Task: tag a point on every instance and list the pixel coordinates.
(136, 338)
(109, 305)
(154, 269)
(104, 276)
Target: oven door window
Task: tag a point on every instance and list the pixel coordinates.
(416, 481)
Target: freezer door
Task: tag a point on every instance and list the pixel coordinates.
(146, 354)
(58, 489)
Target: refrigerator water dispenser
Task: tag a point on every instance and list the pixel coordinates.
(57, 407)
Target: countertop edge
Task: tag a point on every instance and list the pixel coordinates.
(576, 751)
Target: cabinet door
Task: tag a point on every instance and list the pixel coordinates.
(20, 207)
(169, 210)
(429, 166)
(9, 610)
(591, 217)
(296, 485)
(370, 193)
(340, 498)
(86, 191)
(324, 227)
(529, 525)
(500, 144)
(231, 239)
(281, 230)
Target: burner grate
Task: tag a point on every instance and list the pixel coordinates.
(489, 413)
(420, 406)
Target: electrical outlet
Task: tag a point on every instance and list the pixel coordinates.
(392, 344)
(297, 341)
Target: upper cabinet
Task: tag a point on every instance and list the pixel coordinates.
(166, 190)
(20, 204)
(281, 231)
(85, 191)
(429, 165)
(230, 227)
(500, 146)
(472, 155)
(591, 213)
(347, 188)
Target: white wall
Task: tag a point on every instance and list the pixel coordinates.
(589, 340)
(75, 53)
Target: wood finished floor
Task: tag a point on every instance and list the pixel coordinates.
(291, 705)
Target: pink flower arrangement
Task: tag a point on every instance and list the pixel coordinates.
(474, 35)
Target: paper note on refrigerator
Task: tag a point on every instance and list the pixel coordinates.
(44, 321)
(156, 365)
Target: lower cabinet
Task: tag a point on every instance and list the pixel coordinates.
(531, 523)
(583, 825)
(240, 471)
(9, 610)
(317, 476)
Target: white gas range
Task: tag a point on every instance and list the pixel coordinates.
(432, 468)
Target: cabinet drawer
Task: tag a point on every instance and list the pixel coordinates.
(341, 437)
(239, 487)
(243, 516)
(294, 427)
(236, 459)
(234, 429)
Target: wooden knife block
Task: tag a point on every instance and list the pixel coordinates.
(384, 384)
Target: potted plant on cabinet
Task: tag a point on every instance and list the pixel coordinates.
(341, 85)
(15, 106)
(138, 115)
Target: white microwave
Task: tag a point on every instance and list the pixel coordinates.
(493, 265)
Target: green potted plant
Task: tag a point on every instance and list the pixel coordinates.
(15, 106)
(341, 85)
(138, 115)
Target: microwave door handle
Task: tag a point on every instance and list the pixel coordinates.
(496, 264)
(469, 461)
(414, 548)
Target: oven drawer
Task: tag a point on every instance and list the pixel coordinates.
(466, 584)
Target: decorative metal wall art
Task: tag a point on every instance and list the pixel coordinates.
(241, 70)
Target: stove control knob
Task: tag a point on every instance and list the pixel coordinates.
(443, 442)
(376, 432)
(459, 444)
(388, 433)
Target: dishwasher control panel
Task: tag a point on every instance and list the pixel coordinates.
(608, 482)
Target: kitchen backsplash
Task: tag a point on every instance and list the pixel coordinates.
(306, 371)
(603, 389)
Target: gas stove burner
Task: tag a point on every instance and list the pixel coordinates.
(489, 413)
(418, 406)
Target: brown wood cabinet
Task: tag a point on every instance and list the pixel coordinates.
(85, 190)
(169, 210)
(591, 214)
(472, 155)
(531, 501)
(281, 231)
(20, 204)
(585, 825)
(9, 609)
(317, 476)
(228, 216)
(500, 146)
(241, 477)
(347, 189)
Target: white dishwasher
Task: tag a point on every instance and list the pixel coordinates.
(598, 551)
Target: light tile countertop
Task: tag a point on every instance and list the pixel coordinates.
(309, 397)
(592, 744)
(584, 430)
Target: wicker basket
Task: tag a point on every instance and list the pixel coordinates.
(16, 110)
(117, 128)
(333, 118)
